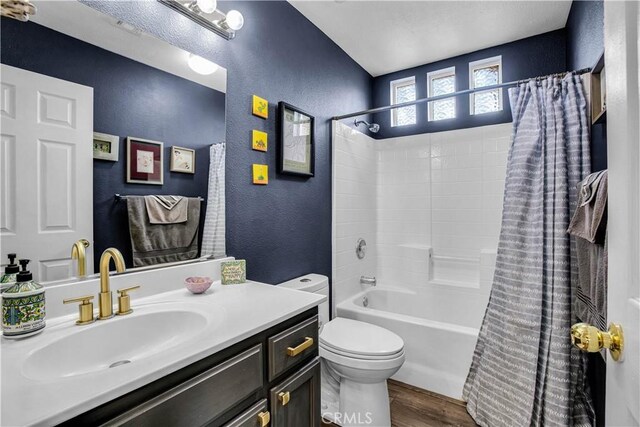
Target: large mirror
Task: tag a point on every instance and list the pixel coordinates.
(95, 111)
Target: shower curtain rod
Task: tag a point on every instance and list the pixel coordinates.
(449, 95)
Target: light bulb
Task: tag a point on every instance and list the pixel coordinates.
(234, 20)
(201, 65)
(207, 6)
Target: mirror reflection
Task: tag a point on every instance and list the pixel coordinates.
(109, 139)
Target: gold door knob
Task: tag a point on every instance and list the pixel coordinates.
(284, 397)
(85, 309)
(124, 300)
(264, 418)
(294, 351)
(591, 339)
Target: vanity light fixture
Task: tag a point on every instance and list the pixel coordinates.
(204, 13)
(201, 65)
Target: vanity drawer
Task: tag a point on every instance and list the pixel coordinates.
(204, 397)
(256, 416)
(292, 346)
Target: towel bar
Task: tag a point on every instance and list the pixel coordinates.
(119, 197)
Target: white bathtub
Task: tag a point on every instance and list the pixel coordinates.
(439, 325)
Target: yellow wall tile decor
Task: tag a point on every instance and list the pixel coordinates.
(259, 140)
(260, 107)
(260, 174)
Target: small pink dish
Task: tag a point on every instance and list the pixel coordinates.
(198, 285)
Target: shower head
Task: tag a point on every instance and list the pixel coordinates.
(373, 127)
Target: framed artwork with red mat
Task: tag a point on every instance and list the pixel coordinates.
(144, 161)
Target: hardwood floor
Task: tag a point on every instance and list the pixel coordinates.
(414, 407)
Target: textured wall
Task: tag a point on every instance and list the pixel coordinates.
(530, 57)
(130, 99)
(585, 44)
(282, 229)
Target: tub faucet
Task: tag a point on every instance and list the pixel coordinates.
(365, 280)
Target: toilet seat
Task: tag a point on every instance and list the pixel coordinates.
(359, 340)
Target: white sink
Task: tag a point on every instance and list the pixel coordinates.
(108, 344)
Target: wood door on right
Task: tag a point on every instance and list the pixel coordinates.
(296, 401)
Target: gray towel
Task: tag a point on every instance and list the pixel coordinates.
(161, 243)
(589, 223)
(166, 209)
(589, 220)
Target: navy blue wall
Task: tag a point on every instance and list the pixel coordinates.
(585, 44)
(534, 56)
(282, 229)
(130, 99)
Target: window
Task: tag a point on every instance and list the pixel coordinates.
(403, 90)
(439, 83)
(487, 72)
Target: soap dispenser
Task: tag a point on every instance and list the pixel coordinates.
(10, 274)
(23, 306)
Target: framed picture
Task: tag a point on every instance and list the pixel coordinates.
(183, 160)
(259, 140)
(144, 161)
(106, 147)
(296, 147)
(260, 107)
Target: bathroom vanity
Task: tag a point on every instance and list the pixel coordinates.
(238, 355)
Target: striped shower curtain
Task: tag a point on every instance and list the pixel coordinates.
(524, 370)
(213, 234)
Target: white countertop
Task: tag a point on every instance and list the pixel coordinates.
(240, 312)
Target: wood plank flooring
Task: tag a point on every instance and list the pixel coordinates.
(414, 407)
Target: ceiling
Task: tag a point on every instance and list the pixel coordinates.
(85, 23)
(388, 36)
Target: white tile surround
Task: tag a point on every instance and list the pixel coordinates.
(437, 194)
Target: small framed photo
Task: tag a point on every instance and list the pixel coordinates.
(144, 161)
(296, 145)
(106, 147)
(183, 160)
(259, 140)
(260, 107)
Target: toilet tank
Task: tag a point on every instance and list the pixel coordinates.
(317, 284)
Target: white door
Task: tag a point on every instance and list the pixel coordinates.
(46, 171)
(623, 138)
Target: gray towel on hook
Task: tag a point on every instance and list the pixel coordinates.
(161, 243)
(589, 224)
(166, 209)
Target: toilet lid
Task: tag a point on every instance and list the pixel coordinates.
(360, 338)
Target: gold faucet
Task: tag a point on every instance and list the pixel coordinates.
(78, 252)
(105, 298)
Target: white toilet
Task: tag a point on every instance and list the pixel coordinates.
(357, 360)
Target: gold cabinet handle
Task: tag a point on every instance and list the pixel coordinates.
(294, 351)
(85, 309)
(124, 300)
(284, 397)
(264, 418)
(591, 339)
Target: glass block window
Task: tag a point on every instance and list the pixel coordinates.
(403, 90)
(441, 82)
(487, 72)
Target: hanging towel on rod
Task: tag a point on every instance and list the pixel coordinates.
(589, 225)
(161, 243)
(166, 209)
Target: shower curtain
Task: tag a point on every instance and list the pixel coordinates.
(213, 234)
(524, 370)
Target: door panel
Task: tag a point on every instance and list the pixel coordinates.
(302, 405)
(623, 133)
(46, 187)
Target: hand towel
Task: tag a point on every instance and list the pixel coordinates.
(589, 219)
(589, 224)
(166, 209)
(161, 243)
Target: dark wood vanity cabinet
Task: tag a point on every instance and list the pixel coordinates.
(270, 379)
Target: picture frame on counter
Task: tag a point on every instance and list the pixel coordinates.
(296, 141)
(144, 161)
(106, 147)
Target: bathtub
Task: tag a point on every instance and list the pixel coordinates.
(438, 323)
